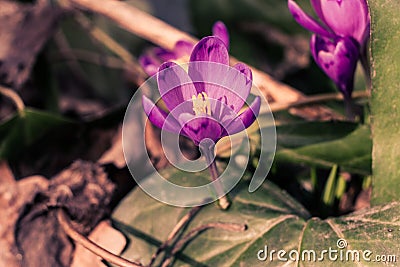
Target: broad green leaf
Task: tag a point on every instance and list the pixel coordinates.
(273, 219)
(352, 153)
(302, 134)
(291, 135)
(23, 129)
(385, 103)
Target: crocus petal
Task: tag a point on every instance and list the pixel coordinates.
(174, 85)
(149, 64)
(219, 29)
(208, 50)
(316, 4)
(345, 17)
(338, 59)
(199, 128)
(246, 118)
(231, 92)
(239, 80)
(306, 21)
(164, 54)
(159, 117)
(183, 48)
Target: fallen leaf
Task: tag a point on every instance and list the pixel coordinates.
(115, 154)
(30, 234)
(13, 201)
(106, 237)
(24, 30)
(6, 176)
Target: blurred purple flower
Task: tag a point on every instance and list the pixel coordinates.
(344, 18)
(338, 59)
(338, 43)
(219, 30)
(152, 59)
(204, 102)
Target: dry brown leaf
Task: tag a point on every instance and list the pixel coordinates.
(315, 113)
(30, 234)
(81, 107)
(364, 199)
(115, 154)
(13, 200)
(106, 237)
(6, 176)
(24, 30)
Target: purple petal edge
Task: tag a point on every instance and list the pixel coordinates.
(199, 128)
(183, 48)
(220, 30)
(149, 65)
(306, 21)
(210, 49)
(246, 118)
(174, 85)
(159, 117)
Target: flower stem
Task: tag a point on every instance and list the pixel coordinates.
(223, 201)
(350, 108)
(208, 151)
(366, 66)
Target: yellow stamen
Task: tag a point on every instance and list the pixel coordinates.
(201, 104)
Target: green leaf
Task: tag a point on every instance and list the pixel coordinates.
(23, 129)
(341, 186)
(385, 102)
(273, 219)
(329, 193)
(308, 133)
(351, 153)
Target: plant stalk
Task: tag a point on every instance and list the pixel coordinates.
(208, 151)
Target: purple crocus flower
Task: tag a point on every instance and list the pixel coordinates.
(340, 40)
(339, 18)
(204, 103)
(338, 59)
(152, 59)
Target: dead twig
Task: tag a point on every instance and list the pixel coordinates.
(89, 57)
(102, 37)
(233, 227)
(275, 107)
(93, 247)
(178, 227)
(14, 97)
(62, 43)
